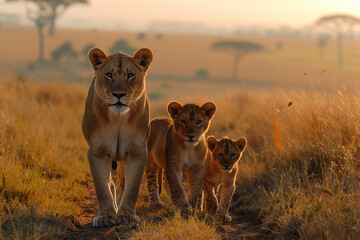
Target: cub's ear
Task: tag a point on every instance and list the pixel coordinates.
(241, 143)
(97, 57)
(143, 57)
(209, 108)
(211, 143)
(174, 108)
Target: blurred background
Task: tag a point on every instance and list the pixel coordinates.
(220, 47)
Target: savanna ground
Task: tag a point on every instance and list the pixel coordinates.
(299, 177)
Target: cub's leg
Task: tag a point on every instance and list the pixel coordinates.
(119, 180)
(152, 176)
(134, 170)
(227, 192)
(211, 203)
(196, 180)
(177, 192)
(100, 171)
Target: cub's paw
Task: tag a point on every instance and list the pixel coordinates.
(105, 221)
(156, 206)
(128, 219)
(223, 218)
(185, 209)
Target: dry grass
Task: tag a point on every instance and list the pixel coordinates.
(42, 157)
(302, 168)
(300, 171)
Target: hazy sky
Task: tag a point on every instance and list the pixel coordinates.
(215, 13)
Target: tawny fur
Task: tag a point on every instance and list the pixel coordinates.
(116, 127)
(221, 169)
(177, 144)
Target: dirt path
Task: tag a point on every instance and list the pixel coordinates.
(244, 225)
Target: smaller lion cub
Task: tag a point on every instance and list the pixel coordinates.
(177, 145)
(221, 169)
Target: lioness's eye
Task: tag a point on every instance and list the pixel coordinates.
(199, 122)
(220, 155)
(183, 122)
(108, 76)
(232, 155)
(130, 76)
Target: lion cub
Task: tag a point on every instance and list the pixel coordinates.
(177, 145)
(221, 169)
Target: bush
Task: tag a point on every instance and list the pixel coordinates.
(65, 50)
(123, 46)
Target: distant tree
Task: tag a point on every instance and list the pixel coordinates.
(202, 73)
(65, 50)
(238, 49)
(279, 45)
(159, 36)
(340, 24)
(54, 9)
(123, 46)
(141, 36)
(322, 42)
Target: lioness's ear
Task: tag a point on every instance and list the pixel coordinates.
(143, 57)
(209, 109)
(211, 143)
(174, 108)
(241, 143)
(96, 57)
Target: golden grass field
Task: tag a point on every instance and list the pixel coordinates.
(300, 173)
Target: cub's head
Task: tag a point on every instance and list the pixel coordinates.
(226, 152)
(191, 121)
(120, 78)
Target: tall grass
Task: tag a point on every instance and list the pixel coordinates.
(42, 157)
(300, 172)
(301, 169)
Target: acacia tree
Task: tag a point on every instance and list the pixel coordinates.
(57, 8)
(340, 24)
(238, 49)
(54, 9)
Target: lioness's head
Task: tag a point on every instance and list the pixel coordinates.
(120, 78)
(191, 121)
(226, 152)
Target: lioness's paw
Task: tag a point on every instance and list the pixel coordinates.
(106, 221)
(128, 219)
(156, 206)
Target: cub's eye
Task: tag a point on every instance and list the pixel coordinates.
(183, 122)
(130, 76)
(220, 155)
(199, 122)
(233, 155)
(108, 76)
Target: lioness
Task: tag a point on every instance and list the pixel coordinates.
(221, 169)
(175, 145)
(116, 127)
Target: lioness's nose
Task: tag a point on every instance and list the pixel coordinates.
(118, 94)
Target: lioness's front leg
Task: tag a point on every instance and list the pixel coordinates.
(173, 177)
(100, 171)
(196, 180)
(225, 200)
(134, 170)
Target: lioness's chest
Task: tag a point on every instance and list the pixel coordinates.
(115, 141)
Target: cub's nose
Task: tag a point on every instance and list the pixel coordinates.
(118, 94)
